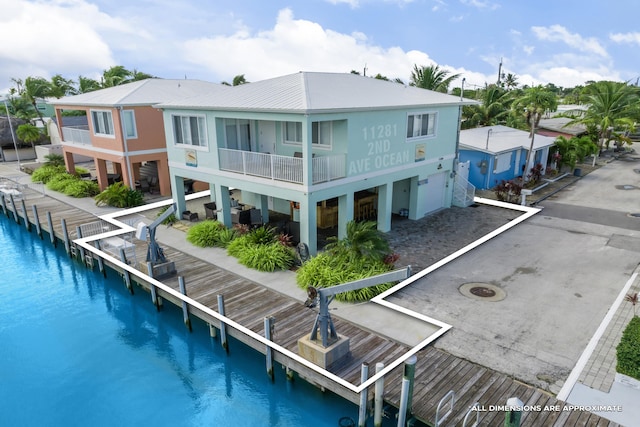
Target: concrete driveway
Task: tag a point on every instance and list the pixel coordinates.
(559, 272)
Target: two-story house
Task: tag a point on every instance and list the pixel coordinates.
(124, 130)
(325, 148)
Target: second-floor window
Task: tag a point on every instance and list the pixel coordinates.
(293, 132)
(322, 134)
(421, 125)
(190, 130)
(129, 120)
(102, 122)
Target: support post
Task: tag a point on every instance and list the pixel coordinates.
(103, 270)
(154, 294)
(185, 306)
(378, 397)
(14, 209)
(513, 415)
(289, 373)
(3, 203)
(223, 326)
(268, 332)
(65, 236)
(125, 273)
(52, 234)
(27, 224)
(362, 410)
(404, 393)
(79, 234)
(409, 374)
(212, 331)
(36, 220)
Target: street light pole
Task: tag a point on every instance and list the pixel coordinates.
(13, 136)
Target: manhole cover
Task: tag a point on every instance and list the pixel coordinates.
(626, 187)
(635, 215)
(482, 291)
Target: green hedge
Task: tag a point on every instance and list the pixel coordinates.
(628, 351)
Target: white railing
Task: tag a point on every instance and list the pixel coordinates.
(77, 134)
(281, 168)
(463, 192)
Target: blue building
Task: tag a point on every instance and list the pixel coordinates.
(496, 153)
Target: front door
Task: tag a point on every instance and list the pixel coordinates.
(434, 193)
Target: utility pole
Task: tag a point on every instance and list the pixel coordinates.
(499, 71)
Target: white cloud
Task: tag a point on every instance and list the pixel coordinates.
(352, 3)
(294, 45)
(481, 4)
(632, 38)
(559, 33)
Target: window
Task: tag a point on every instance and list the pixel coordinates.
(321, 133)
(190, 130)
(129, 122)
(421, 125)
(102, 122)
(293, 132)
(502, 162)
(238, 134)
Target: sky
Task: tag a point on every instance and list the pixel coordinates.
(564, 42)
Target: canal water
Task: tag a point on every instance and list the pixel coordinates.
(77, 349)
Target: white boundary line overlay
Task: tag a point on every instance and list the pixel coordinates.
(527, 212)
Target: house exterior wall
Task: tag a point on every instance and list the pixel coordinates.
(379, 156)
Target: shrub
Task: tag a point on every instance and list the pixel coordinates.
(267, 257)
(54, 160)
(226, 236)
(628, 351)
(263, 235)
(508, 191)
(205, 234)
(79, 188)
(45, 173)
(170, 220)
(119, 196)
(237, 246)
(60, 181)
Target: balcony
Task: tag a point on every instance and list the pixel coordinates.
(282, 168)
(77, 135)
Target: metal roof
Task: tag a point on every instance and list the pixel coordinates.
(498, 139)
(307, 92)
(142, 92)
(559, 124)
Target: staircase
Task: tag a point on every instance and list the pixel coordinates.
(463, 192)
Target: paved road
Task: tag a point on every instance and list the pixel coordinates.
(560, 271)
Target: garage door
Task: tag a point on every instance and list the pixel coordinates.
(435, 192)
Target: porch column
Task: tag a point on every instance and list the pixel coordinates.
(413, 198)
(264, 208)
(101, 173)
(69, 162)
(178, 196)
(307, 173)
(345, 213)
(385, 194)
(223, 201)
(163, 176)
(308, 225)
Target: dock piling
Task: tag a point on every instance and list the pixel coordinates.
(65, 236)
(154, 291)
(3, 203)
(185, 306)
(269, 323)
(14, 209)
(52, 234)
(79, 234)
(212, 331)
(36, 220)
(223, 327)
(362, 410)
(101, 268)
(27, 224)
(378, 397)
(409, 374)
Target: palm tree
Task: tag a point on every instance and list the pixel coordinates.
(28, 133)
(511, 81)
(574, 150)
(36, 88)
(85, 84)
(115, 76)
(432, 77)
(612, 109)
(62, 87)
(139, 75)
(493, 110)
(237, 81)
(363, 239)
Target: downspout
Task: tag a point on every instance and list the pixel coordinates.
(132, 183)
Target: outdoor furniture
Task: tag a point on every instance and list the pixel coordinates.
(239, 216)
(190, 216)
(210, 210)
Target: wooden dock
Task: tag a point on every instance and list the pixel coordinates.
(249, 303)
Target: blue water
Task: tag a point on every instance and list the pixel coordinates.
(77, 349)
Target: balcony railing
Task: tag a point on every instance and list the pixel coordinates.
(282, 168)
(77, 134)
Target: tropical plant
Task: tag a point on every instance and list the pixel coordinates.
(205, 234)
(573, 150)
(29, 133)
(45, 173)
(432, 77)
(36, 88)
(508, 191)
(510, 81)
(170, 220)
(80, 188)
(54, 159)
(61, 86)
(628, 350)
(613, 108)
(237, 81)
(493, 110)
(362, 240)
(267, 257)
(85, 84)
(60, 181)
(119, 196)
(116, 76)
